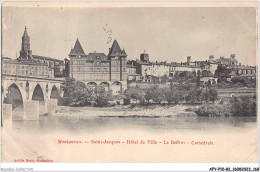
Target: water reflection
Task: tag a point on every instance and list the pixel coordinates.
(98, 124)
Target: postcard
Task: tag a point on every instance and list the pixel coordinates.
(138, 82)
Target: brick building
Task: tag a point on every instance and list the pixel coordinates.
(95, 68)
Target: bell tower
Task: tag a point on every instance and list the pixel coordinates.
(25, 53)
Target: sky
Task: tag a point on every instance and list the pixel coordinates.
(166, 34)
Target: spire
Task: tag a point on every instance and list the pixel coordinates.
(77, 50)
(25, 34)
(123, 53)
(115, 50)
(26, 52)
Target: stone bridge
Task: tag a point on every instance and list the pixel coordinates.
(33, 95)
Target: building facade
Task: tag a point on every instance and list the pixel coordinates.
(95, 68)
(148, 71)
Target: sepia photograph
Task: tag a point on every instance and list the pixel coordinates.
(129, 82)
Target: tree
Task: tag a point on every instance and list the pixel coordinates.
(169, 96)
(243, 106)
(136, 94)
(68, 87)
(171, 86)
(148, 94)
(213, 95)
(75, 93)
(101, 96)
(194, 96)
(164, 78)
(222, 73)
(198, 78)
(157, 94)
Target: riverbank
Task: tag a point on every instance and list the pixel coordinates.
(150, 111)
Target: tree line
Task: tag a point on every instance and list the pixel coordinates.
(77, 94)
(180, 93)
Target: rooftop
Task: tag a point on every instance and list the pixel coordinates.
(46, 58)
(77, 50)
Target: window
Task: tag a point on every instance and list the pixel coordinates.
(105, 69)
(124, 69)
(98, 69)
(91, 69)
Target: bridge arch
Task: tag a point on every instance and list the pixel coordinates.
(54, 93)
(38, 94)
(14, 96)
(116, 87)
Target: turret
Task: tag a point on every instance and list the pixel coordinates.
(144, 57)
(77, 51)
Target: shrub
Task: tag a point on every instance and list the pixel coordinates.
(200, 95)
(194, 96)
(212, 110)
(237, 106)
(174, 96)
(243, 106)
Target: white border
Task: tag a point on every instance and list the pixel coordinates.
(130, 166)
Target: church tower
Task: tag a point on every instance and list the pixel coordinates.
(25, 53)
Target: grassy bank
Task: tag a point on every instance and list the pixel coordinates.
(236, 106)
